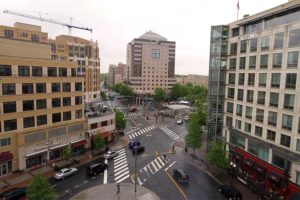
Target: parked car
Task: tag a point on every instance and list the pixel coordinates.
(186, 118)
(181, 176)
(151, 109)
(14, 194)
(96, 168)
(179, 122)
(138, 149)
(63, 173)
(230, 192)
(132, 109)
(133, 143)
(110, 154)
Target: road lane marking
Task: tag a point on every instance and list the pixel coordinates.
(119, 161)
(160, 160)
(170, 165)
(177, 186)
(122, 175)
(158, 164)
(105, 173)
(129, 136)
(122, 179)
(120, 150)
(120, 157)
(122, 167)
(121, 171)
(120, 164)
(139, 180)
(76, 186)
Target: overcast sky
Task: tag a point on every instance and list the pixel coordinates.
(117, 22)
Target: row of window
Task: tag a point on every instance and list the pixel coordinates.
(10, 125)
(10, 34)
(28, 88)
(290, 80)
(36, 71)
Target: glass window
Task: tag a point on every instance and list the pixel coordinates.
(247, 127)
(243, 46)
(272, 118)
(242, 62)
(251, 79)
(278, 161)
(155, 53)
(278, 40)
(294, 38)
(52, 71)
(41, 88)
(248, 112)
(241, 78)
(285, 140)
(5, 70)
(78, 114)
(78, 86)
(289, 100)
(253, 44)
(298, 147)
(277, 60)
(41, 104)
(63, 72)
(23, 71)
(56, 117)
(230, 93)
(237, 140)
(5, 142)
(252, 62)
(73, 72)
(55, 87)
(235, 32)
(291, 80)
(293, 59)
(233, 49)
(259, 115)
(37, 71)
(229, 107)
(8, 89)
(250, 96)
(240, 94)
(271, 135)
(238, 124)
(264, 61)
(28, 105)
(232, 63)
(287, 122)
(67, 116)
(28, 122)
(41, 120)
(78, 100)
(258, 131)
(56, 102)
(275, 80)
(239, 110)
(8, 33)
(66, 87)
(274, 99)
(262, 79)
(27, 88)
(265, 43)
(9, 107)
(231, 78)
(229, 121)
(66, 101)
(261, 97)
(10, 125)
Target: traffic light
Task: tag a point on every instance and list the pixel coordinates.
(157, 153)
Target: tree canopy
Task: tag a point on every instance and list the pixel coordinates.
(99, 142)
(123, 89)
(193, 138)
(40, 189)
(188, 91)
(217, 155)
(120, 120)
(159, 94)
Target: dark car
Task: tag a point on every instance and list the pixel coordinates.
(132, 109)
(230, 192)
(96, 168)
(133, 144)
(138, 149)
(181, 176)
(14, 194)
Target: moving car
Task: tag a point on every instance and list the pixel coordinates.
(96, 168)
(63, 173)
(110, 154)
(138, 149)
(181, 176)
(14, 193)
(133, 143)
(230, 192)
(179, 122)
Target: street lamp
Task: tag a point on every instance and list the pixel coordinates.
(233, 166)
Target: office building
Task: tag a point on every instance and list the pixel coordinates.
(194, 79)
(116, 74)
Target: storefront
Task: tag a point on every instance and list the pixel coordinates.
(78, 147)
(36, 159)
(5, 163)
(57, 152)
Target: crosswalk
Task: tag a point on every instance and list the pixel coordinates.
(134, 114)
(169, 133)
(150, 169)
(121, 108)
(140, 132)
(121, 171)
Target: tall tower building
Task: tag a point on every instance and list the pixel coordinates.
(117, 74)
(151, 64)
(254, 97)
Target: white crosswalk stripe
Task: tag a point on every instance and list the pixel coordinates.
(140, 132)
(121, 170)
(169, 133)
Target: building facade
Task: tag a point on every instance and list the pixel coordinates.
(194, 79)
(151, 64)
(254, 86)
(116, 74)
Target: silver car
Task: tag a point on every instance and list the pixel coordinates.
(110, 154)
(63, 173)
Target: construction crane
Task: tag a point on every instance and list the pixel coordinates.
(48, 20)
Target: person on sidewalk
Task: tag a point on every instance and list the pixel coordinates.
(118, 188)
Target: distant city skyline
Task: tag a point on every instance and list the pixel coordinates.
(115, 23)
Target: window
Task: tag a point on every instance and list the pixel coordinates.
(23, 71)
(230, 93)
(37, 71)
(9, 107)
(5, 70)
(277, 60)
(258, 131)
(261, 97)
(274, 99)
(251, 79)
(298, 149)
(41, 120)
(262, 79)
(271, 135)
(73, 72)
(229, 121)
(10, 125)
(56, 102)
(66, 87)
(78, 86)
(250, 96)
(279, 161)
(278, 40)
(56, 117)
(289, 100)
(275, 80)
(8, 33)
(287, 122)
(293, 59)
(285, 140)
(27, 88)
(238, 124)
(231, 78)
(66, 101)
(155, 53)
(299, 125)
(233, 49)
(253, 44)
(229, 107)
(239, 110)
(252, 62)
(243, 46)
(290, 81)
(28, 105)
(235, 32)
(41, 88)
(5, 142)
(264, 59)
(248, 112)
(259, 115)
(52, 71)
(241, 78)
(67, 116)
(78, 114)
(247, 127)
(55, 87)
(78, 100)
(41, 104)
(35, 38)
(8, 89)
(265, 42)
(272, 118)
(240, 94)
(232, 63)
(294, 38)
(62, 72)
(28, 122)
(242, 62)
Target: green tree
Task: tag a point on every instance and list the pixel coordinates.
(103, 96)
(40, 189)
(67, 153)
(159, 94)
(120, 120)
(194, 137)
(98, 143)
(123, 89)
(176, 91)
(217, 155)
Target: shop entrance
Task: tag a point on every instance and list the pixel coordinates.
(36, 160)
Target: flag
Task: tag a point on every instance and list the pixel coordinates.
(238, 5)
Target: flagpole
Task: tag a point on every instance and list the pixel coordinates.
(237, 10)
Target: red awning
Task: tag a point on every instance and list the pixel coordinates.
(105, 134)
(79, 143)
(5, 156)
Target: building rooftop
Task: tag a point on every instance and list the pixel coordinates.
(152, 36)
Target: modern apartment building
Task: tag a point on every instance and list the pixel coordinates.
(151, 64)
(116, 74)
(85, 54)
(41, 101)
(254, 97)
(194, 79)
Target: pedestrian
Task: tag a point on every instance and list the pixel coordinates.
(186, 149)
(173, 147)
(53, 164)
(118, 188)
